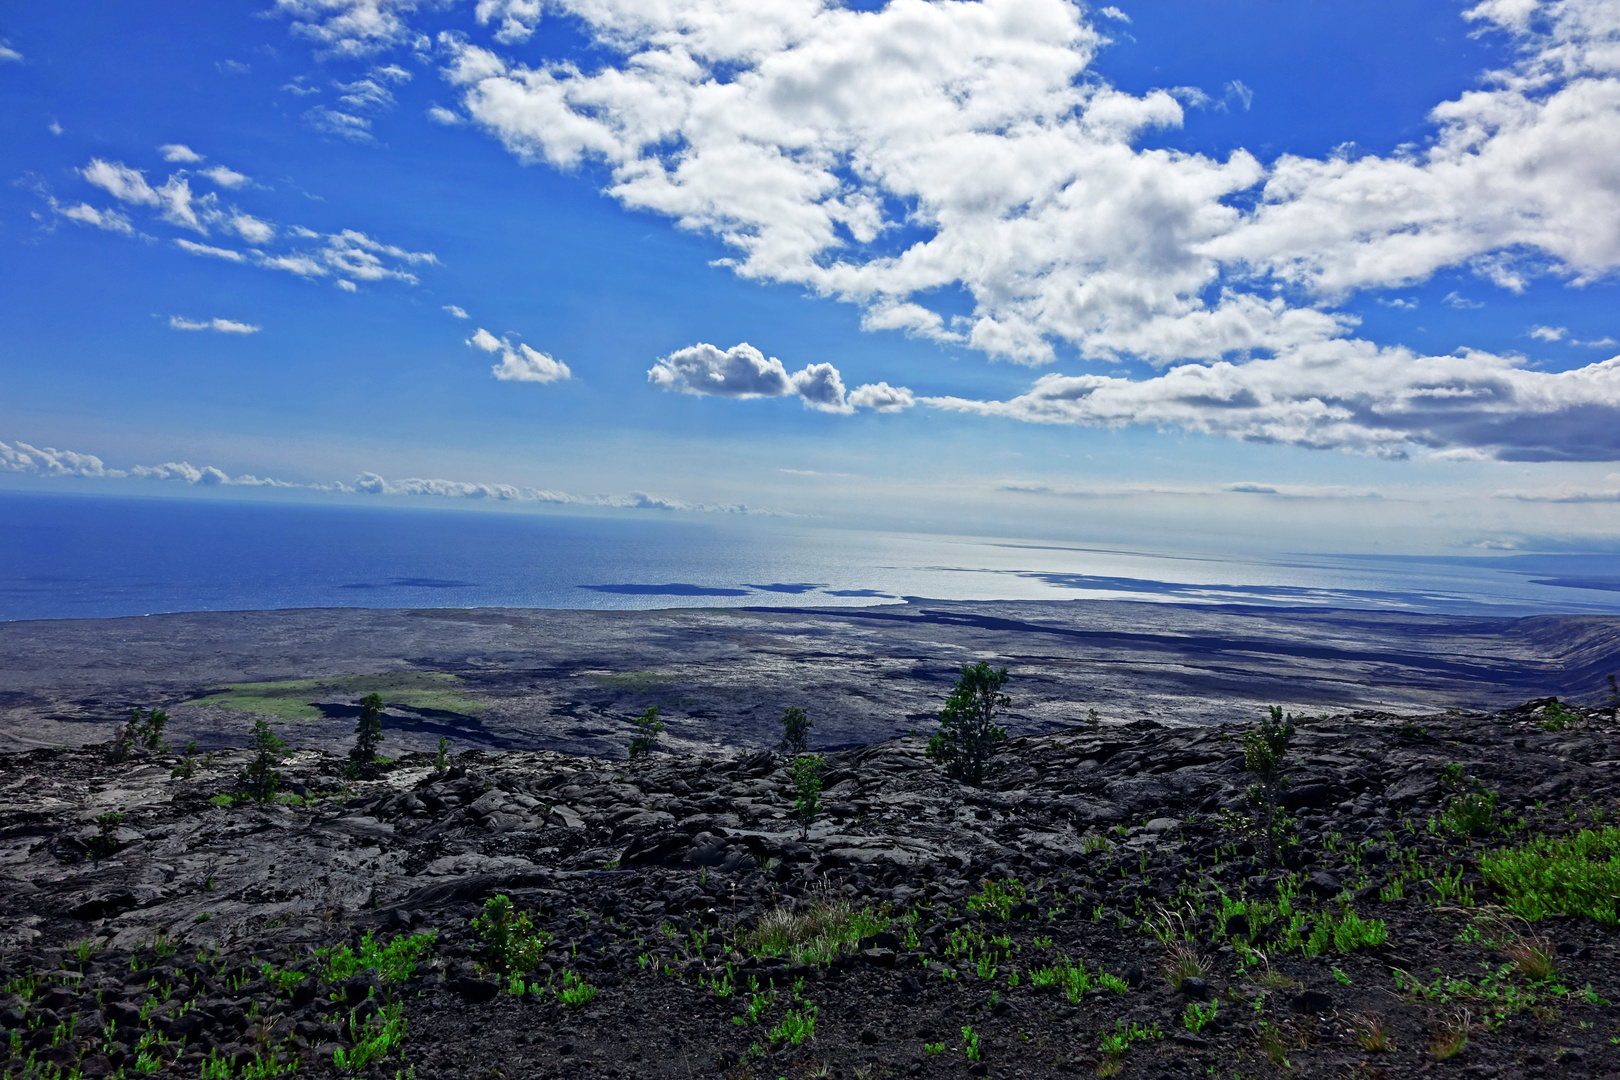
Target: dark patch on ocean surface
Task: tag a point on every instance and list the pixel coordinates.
(674, 589)
(412, 583)
(861, 592)
(795, 587)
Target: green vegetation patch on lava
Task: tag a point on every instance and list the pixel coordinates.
(293, 699)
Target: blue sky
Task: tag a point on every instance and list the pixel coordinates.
(1339, 275)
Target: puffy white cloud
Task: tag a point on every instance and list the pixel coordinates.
(225, 177)
(174, 199)
(46, 461)
(441, 115)
(7, 53)
(85, 214)
(1351, 395)
(1548, 333)
(1112, 12)
(457, 311)
(251, 228)
(742, 371)
(222, 326)
(881, 397)
(352, 28)
(516, 19)
(519, 363)
(179, 152)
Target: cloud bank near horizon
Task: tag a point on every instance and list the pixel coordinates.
(24, 459)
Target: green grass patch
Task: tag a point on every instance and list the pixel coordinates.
(635, 682)
(814, 935)
(394, 962)
(1572, 875)
(292, 699)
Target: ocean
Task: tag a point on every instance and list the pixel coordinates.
(65, 556)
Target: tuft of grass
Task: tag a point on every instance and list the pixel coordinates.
(1533, 959)
(1573, 875)
(1450, 1035)
(1182, 964)
(1371, 1035)
(813, 934)
(1273, 1043)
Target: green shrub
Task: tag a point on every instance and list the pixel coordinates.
(795, 731)
(515, 943)
(648, 728)
(1471, 813)
(1572, 875)
(1264, 752)
(261, 778)
(814, 935)
(807, 770)
(968, 735)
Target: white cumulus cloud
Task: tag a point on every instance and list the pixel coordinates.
(179, 152)
(225, 177)
(519, 363)
(742, 371)
(457, 311)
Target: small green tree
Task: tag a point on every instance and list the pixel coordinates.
(968, 735)
(261, 778)
(441, 760)
(806, 771)
(367, 737)
(648, 728)
(143, 731)
(795, 731)
(1264, 750)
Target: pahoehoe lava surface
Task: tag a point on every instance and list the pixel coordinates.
(571, 681)
(192, 938)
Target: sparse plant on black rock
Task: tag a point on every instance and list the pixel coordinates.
(806, 771)
(1264, 751)
(367, 737)
(968, 735)
(261, 778)
(648, 728)
(795, 731)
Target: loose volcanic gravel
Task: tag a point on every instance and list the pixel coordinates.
(1098, 908)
